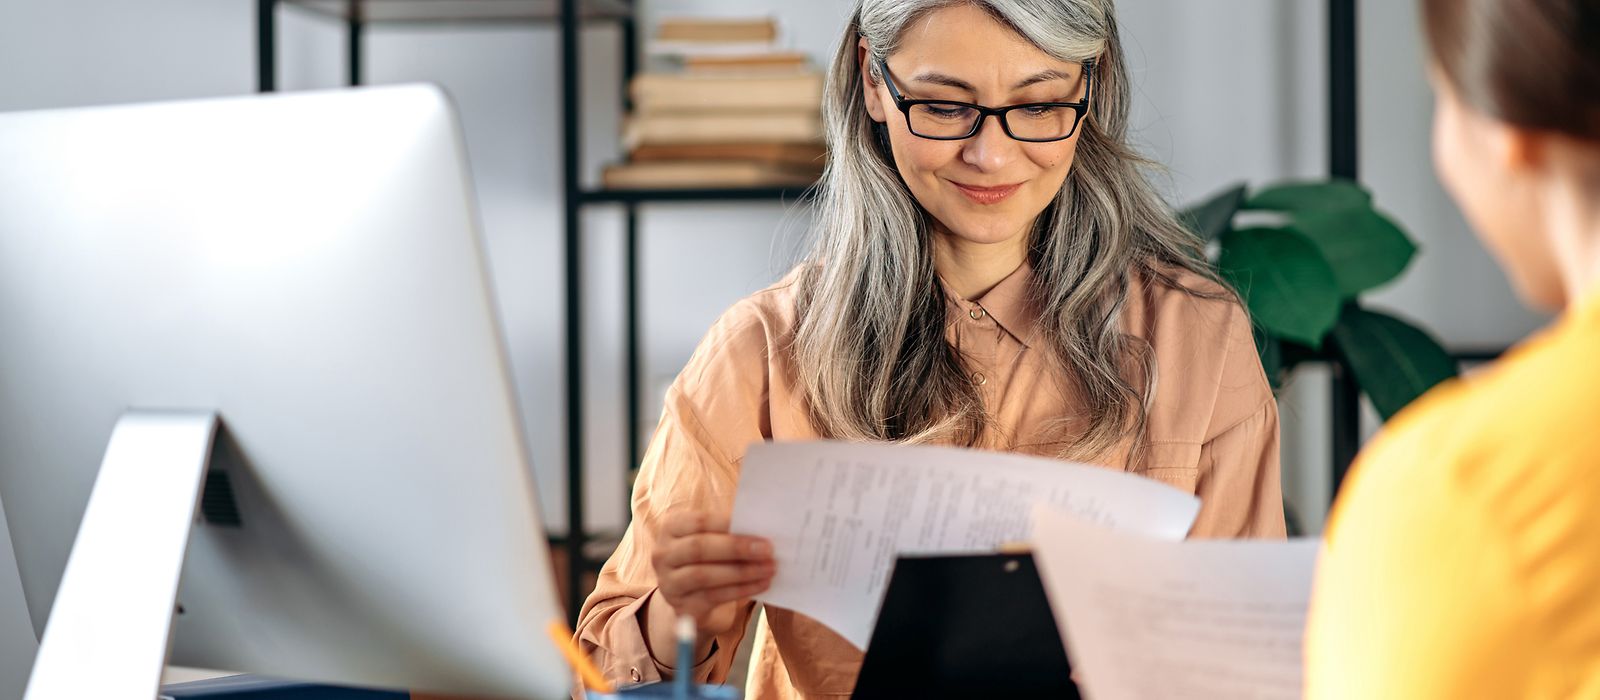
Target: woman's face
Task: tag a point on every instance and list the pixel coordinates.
(1481, 164)
(987, 189)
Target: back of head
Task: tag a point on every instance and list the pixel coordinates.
(1517, 134)
(1530, 63)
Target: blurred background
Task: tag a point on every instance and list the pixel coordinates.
(1227, 91)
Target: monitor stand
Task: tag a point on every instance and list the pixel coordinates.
(18, 641)
(110, 625)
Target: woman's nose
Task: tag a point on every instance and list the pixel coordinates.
(990, 149)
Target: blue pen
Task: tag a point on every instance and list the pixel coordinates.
(685, 662)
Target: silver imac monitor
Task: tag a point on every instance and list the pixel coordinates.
(254, 340)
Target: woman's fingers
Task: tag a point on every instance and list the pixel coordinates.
(693, 522)
(712, 547)
(689, 581)
(701, 569)
(699, 566)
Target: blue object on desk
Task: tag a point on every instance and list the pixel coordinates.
(686, 635)
(258, 688)
(665, 691)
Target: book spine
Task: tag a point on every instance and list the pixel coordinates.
(666, 93)
(714, 30)
(662, 47)
(671, 129)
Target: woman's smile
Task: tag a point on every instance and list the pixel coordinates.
(986, 194)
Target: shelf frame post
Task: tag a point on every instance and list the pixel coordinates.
(577, 533)
(1343, 152)
(266, 45)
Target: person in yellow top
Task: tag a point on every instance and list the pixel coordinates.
(1463, 558)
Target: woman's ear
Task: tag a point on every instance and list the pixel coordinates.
(1515, 149)
(869, 87)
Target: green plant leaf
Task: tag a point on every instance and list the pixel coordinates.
(1304, 196)
(1210, 218)
(1365, 248)
(1287, 285)
(1393, 361)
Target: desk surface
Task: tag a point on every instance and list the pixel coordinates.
(184, 674)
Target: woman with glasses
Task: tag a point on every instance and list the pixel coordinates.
(991, 270)
(1463, 556)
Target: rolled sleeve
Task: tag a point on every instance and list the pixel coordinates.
(713, 411)
(611, 628)
(626, 657)
(612, 634)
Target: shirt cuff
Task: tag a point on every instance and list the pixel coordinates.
(699, 673)
(635, 665)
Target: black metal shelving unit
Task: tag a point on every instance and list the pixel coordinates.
(1343, 150)
(567, 16)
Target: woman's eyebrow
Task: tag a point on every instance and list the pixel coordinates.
(942, 79)
(1043, 76)
(952, 81)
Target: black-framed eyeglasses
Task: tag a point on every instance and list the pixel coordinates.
(1034, 122)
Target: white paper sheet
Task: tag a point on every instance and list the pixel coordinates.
(1198, 620)
(839, 513)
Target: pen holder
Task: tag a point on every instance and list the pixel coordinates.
(663, 691)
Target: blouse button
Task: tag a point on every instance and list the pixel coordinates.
(979, 379)
(635, 674)
(976, 313)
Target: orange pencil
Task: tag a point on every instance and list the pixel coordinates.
(562, 635)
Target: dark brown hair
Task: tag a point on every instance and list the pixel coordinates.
(1531, 63)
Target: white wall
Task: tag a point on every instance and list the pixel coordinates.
(1227, 90)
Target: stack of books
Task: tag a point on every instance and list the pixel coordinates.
(723, 106)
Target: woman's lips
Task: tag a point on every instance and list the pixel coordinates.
(986, 195)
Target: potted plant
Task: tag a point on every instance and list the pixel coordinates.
(1300, 255)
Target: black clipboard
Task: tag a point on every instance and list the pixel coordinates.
(967, 626)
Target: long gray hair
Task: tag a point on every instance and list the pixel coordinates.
(870, 343)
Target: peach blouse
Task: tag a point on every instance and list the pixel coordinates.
(1212, 431)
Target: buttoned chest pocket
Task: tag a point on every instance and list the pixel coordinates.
(1176, 464)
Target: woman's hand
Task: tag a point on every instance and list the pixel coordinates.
(706, 573)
